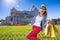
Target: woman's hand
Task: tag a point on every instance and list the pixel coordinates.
(31, 7)
(45, 23)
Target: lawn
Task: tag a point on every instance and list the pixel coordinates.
(19, 33)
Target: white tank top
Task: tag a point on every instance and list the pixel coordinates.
(38, 21)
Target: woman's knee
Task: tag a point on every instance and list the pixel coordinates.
(28, 36)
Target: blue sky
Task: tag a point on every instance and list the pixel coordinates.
(53, 6)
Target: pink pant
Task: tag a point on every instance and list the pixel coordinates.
(33, 34)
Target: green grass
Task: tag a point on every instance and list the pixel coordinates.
(20, 32)
(58, 27)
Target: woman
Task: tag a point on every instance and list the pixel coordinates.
(37, 12)
(37, 24)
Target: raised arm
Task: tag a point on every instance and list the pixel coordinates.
(32, 8)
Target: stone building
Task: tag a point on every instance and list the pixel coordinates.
(19, 17)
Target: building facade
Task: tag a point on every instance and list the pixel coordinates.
(19, 17)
